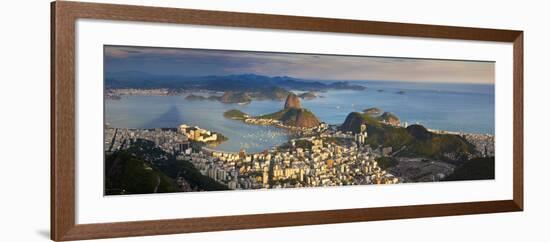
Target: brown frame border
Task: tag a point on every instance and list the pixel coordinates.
(63, 17)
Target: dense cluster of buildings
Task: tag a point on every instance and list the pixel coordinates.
(362, 135)
(168, 140)
(304, 162)
(172, 141)
(325, 157)
(119, 92)
(261, 121)
(484, 143)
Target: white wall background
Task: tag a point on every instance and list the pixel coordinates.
(24, 138)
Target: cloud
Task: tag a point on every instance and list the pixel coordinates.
(115, 53)
(309, 66)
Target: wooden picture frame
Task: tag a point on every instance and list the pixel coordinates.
(63, 17)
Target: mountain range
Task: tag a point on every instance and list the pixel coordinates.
(242, 82)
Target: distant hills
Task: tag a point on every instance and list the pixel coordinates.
(243, 82)
(275, 93)
(308, 95)
(235, 97)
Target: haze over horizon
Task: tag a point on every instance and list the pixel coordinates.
(198, 62)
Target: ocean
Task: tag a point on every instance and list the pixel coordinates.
(452, 107)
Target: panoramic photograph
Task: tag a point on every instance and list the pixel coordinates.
(196, 120)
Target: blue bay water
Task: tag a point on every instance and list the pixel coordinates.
(452, 107)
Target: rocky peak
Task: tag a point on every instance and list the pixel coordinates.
(293, 101)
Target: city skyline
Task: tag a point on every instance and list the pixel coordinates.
(197, 62)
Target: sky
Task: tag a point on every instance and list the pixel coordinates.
(197, 62)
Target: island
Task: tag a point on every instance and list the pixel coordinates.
(292, 116)
(193, 97)
(235, 114)
(242, 97)
(235, 97)
(308, 95)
